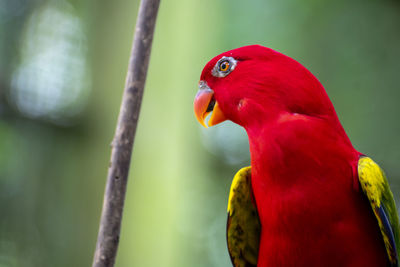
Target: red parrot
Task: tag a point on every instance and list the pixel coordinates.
(309, 197)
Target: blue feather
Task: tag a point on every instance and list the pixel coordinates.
(388, 229)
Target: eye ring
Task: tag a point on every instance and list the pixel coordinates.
(224, 66)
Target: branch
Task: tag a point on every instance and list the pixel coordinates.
(114, 196)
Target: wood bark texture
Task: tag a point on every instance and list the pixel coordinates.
(114, 196)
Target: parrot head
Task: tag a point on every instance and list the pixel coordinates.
(253, 84)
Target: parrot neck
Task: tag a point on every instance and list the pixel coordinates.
(296, 143)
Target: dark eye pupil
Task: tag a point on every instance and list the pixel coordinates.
(224, 66)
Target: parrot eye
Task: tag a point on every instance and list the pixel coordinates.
(224, 66)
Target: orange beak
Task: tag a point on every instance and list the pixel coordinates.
(204, 104)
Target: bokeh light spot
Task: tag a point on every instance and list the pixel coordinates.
(52, 80)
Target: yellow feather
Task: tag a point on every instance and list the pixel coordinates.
(372, 180)
(243, 230)
(374, 185)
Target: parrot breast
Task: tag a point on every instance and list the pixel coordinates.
(310, 212)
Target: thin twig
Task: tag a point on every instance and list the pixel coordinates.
(114, 196)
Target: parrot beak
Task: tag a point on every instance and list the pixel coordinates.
(204, 103)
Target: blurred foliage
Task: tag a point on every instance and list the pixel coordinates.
(62, 70)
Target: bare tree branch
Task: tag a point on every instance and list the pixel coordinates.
(114, 197)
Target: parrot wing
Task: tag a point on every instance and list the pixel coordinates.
(243, 226)
(376, 187)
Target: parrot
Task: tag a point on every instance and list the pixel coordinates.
(308, 198)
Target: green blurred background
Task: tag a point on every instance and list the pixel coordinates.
(62, 70)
